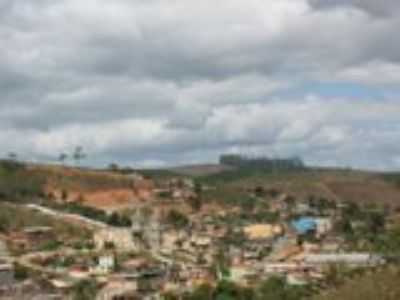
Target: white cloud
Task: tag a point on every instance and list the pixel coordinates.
(175, 80)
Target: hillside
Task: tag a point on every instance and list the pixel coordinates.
(101, 189)
(383, 285)
(212, 211)
(201, 170)
(336, 185)
(111, 190)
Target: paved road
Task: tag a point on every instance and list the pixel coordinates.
(68, 217)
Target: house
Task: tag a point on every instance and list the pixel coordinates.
(153, 234)
(311, 247)
(262, 231)
(79, 272)
(284, 267)
(119, 289)
(62, 284)
(286, 252)
(243, 274)
(31, 237)
(350, 259)
(323, 225)
(297, 279)
(106, 264)
(304, 225)
(331, 245)
(134, 265)
(31, 290)
(19, 240)
(201, 242)
(39, 231)
(302, 208)
(171, 242)
(121, 239)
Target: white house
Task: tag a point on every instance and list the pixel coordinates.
(106, 264)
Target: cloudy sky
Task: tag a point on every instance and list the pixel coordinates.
(160, 82)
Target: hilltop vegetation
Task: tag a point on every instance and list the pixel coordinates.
(19, 181)
(231, 186)
(393, 178)
(18, 184)
(336, 185)
(70, 178)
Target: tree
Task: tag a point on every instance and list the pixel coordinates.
(226, 290)
(198, 188)
(170, 296)
(259, 191)
(12, 156)
(64, 195)
(81, 199)
(195, 202)
(273, 192)
(375, 222)
(203, 292)
(290, 202)
(177, 219)
(79, 154)
(114, 219)
(118, 220)
(20, 272)
(109, 246)
(62, 157)
(113, 167)
(85, 290)
(276, 288)
(353, 211)
(344, 227)
(272, 289)
(222, 264)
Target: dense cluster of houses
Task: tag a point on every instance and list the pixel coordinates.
(152, 257)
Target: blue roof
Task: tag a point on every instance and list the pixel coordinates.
(304, 225)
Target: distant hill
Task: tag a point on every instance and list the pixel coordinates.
(333, 184)
(104, 188)
(201, 169)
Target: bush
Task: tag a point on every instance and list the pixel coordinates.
(85, 290)
(17, 184)
(177, 219)
(118, 220)
(20, 272)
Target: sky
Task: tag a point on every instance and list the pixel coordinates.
(164, 82)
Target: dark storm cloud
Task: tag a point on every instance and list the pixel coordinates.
(381, 8)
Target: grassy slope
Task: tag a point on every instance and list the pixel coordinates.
(15, 218)
(332, 184)
(380, 285)
(81, 179)
(344, 185)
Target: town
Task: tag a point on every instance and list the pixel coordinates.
(165, 236)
